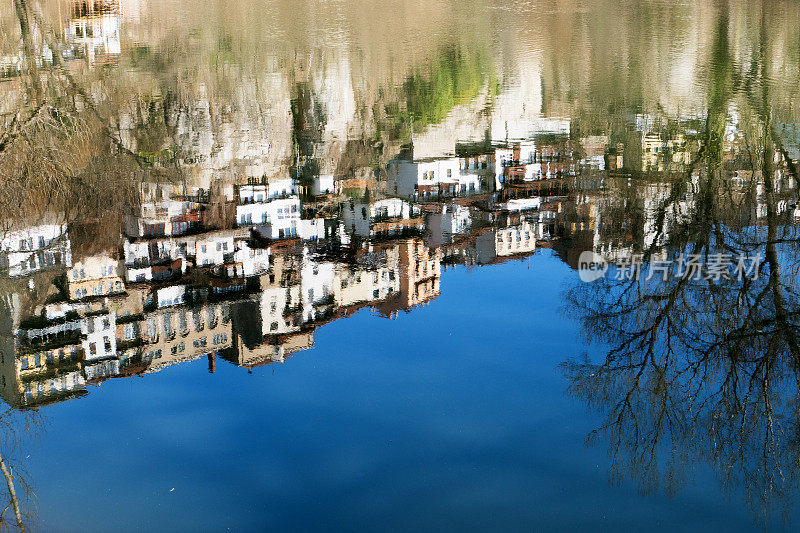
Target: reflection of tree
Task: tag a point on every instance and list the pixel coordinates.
(703, 369)
(16, 429)
(58, 143)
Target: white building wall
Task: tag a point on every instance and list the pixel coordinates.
(100, 339)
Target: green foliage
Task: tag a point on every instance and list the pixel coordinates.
(453, 79)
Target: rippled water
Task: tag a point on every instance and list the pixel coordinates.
(352, 265)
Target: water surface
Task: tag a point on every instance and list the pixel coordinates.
(317, 265)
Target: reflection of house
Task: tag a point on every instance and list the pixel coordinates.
(273, 350)
(32, 249)
(323, 185)
(39, 358)
(215, 248)
(381, 218)
(527, 162)
(97, 275)
(264, 191)
(663, 213)
(280, 304)
(173, 335)
(316, 287)
(375, 278)
(33, 388)
(101, 370)
(653, 152)
(158, 259)
(94, 27)
(451, 176)
(444, 221)
(164, 219)
(420, 273)
(99, 332)
(277, 219)
(594, 152)
(517, 239)
(254, 261)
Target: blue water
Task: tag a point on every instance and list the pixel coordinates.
(452, 416)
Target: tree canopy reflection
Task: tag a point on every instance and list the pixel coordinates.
(697, 369)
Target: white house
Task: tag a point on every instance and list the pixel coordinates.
(102, 369)
(263, 192)
(446, 221)
(211, 248)
(99, 336)
(96, 275)
(163, 218)
(36, 248)
(521, 204)
(316, 286)
(354, 285)
(97, 31)
(361, 218)
(431, 177)
(254, 261)
(280, 216)
(312, 229)
(504, 242)
(273, 304)
(323, 185)
(519, 239)
(172, 295)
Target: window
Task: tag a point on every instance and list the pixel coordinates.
(375, 293)
(92, 349)
(24, 363)
(106, 323)
(273, 326)
(107, 344)
(37, 360)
